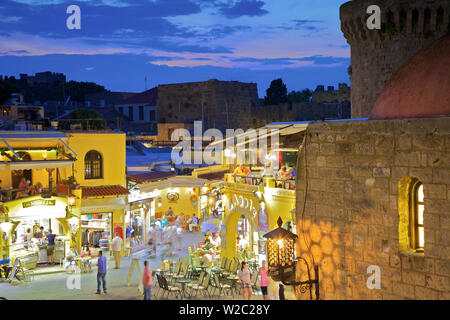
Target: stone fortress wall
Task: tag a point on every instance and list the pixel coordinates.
(407, 27)
(331, 95)
(221, 104)
(351, 211)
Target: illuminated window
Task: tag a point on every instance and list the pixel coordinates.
(93, 164)
(416, 218)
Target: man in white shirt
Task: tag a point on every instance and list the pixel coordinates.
(117, 248)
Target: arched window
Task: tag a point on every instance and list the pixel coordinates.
(416, 218)
(93, 165)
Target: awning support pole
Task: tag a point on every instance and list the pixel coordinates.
(7, 144)
(65, 144)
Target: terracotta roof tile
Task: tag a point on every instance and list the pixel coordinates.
(103, 191)
(148, 97)
(150, 176)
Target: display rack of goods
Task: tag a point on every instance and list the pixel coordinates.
(60, 248)
(104, 244)
(29, 257)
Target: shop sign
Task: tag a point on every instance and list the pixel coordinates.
(97, 209)
(38, 202)
(136, 195)
(173, 196)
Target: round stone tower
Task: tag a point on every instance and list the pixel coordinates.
(406, 27)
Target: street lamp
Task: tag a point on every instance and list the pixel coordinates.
(280, 249)
(71, 202)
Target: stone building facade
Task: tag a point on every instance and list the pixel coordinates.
(331, 95)
(352, 207)
(220, 104)
(303, 111)
(407, 26)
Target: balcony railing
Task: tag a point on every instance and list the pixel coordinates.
(257, 180)
(11, 194)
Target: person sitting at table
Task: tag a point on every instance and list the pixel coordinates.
(71, 255)
(194, 222)
(242, 170)
(5, 267)
(23, 188)
(217, 240)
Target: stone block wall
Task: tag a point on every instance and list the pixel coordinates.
(348, 216)
(221, 104)
(407, 27)
(331, 95)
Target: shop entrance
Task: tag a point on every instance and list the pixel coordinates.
(29, 242)
(96, 232)
(244, 235)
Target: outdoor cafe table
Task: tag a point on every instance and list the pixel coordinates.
(183, 285)
(161, 271)
(234, 282)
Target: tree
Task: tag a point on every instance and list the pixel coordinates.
(299, 96)
(277, 93)
(87, 118)
(7, 87)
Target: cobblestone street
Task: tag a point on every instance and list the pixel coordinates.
(54, 286)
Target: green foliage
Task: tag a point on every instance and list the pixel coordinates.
(8, 86)
(299, 96)
(70, 180)
(276, 93)
(61, 91)
(88, 124)
(41, 92)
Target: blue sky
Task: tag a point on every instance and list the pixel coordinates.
(168, 41)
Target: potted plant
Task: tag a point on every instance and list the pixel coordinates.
(67, 185)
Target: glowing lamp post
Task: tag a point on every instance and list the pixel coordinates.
(280, 250)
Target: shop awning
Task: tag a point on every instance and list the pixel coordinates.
(43, 164)
(102, 205)
(37, 208)
(174, 182)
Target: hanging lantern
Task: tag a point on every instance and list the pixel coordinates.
(280, 251)
(280, 247)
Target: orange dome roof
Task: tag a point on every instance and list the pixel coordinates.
(420, 88)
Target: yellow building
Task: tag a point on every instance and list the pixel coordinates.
(59, 181)
(250, 212)
(253, 202)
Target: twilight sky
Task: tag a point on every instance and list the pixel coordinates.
(168, 41)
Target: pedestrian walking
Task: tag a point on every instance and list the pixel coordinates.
(179, 238)
(101, 272)
(117, 249)
(147, 281)
(263, 282)
(245, 277)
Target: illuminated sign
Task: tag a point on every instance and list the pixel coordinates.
(38, 202)
(173, 196)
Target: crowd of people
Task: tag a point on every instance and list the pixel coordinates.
(286, 172)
